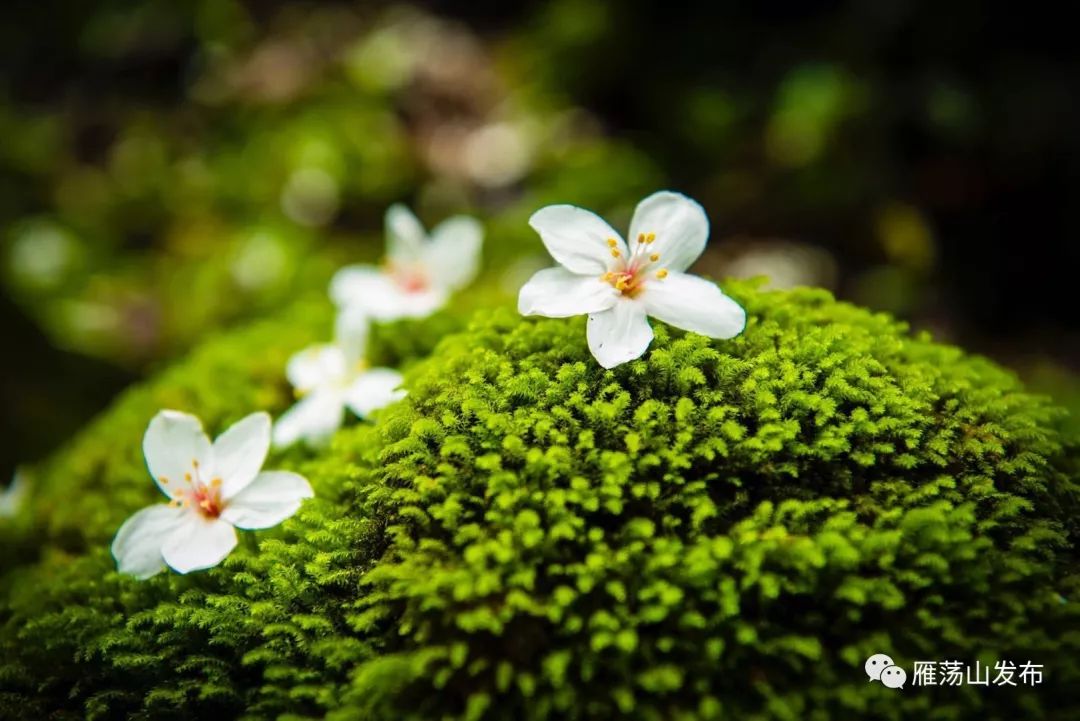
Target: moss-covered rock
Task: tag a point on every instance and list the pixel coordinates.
(721, 529)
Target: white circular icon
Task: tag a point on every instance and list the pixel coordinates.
(881, 667)
(876, 664)
(894, 677)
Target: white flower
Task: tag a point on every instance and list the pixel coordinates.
(13, 497)
(420, 272)
(215, 489)
(619, 287)
(332, 377)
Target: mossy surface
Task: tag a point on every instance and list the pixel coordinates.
(722, 529)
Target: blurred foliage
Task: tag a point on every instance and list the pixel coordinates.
(134, 226)
(817, 121)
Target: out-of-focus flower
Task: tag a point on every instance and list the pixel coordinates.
(276, 71)
(42, 255)
(310, 197)
(262, 260)
(214, 489)
(13, 497)
(620, 288)
(420, 272)
(332, 377)
(498, 154)
(785, 263)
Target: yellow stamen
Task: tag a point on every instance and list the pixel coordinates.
(187, 477)
(614, 253)
(612, 242)
(215, 483)
(654, 257)
(662, 273)
(650, 237)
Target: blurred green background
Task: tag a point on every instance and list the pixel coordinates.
(170, 169)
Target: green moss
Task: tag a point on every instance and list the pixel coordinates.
(719, 530)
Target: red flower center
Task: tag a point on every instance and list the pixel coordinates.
(197, 494)
(630, 274)
(410, 278)
(207, 499)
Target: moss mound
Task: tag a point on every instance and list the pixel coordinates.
(718, 530)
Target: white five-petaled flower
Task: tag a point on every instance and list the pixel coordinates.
(332, 377)
(420, 271)
(214, 488)
(620, 286)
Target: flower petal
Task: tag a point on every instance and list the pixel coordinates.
(351, 330)
(695, 304)
(271, 498)
(315, 366)
(375, 389)
(577, 238)
(240, 451)
(408, 304)
(352, 283)
(14, 496)
(453, 254)
(174, 442)
(313, 419)
(375, 292)
(405, 236)
(137, 545)
(680, 225)
(198, 543)
(619, 334)
(558, 293)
